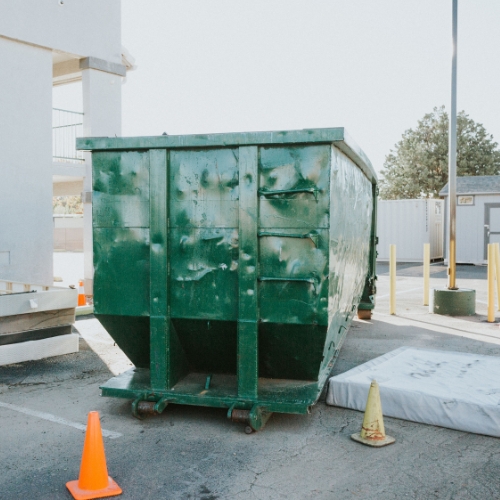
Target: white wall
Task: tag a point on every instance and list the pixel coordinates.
(470, 229)
(68, 188)
(26, 231)
(30, 32)
(79, 27)
(101, 103)
(68, 234)
(409, 224)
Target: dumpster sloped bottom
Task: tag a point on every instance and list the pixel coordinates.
(284, 396)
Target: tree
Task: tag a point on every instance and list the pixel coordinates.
(418, 165)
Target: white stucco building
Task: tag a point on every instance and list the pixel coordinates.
(44, 43)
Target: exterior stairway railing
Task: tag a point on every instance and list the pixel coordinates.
(66, 127)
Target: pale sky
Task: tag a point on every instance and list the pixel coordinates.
(372, 66)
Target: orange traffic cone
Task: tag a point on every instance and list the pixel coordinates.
(82, 301)
(373, 430)
(93, 481)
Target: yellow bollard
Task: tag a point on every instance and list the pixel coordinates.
(491, 284)
(427, 272)
(496, 253)
(392, 277)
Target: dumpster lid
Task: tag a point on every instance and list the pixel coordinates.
(337, 135)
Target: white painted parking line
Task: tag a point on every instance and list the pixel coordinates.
(55, 419)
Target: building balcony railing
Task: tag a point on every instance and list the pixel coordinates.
(66, 127)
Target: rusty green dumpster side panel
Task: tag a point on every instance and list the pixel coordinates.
(228, 267)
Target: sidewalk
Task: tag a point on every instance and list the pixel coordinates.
(409, 301)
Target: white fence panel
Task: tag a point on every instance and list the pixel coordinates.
(409, 224)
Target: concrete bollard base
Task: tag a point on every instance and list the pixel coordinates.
(460, 302)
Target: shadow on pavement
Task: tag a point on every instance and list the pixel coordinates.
(79, 365)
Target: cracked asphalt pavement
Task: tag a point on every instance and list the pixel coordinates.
(196, 453)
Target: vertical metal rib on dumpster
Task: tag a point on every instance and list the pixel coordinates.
(248, 314)
(160, 353)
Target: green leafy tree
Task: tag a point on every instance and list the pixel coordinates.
(418, 165)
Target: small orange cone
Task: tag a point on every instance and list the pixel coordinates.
(93, 481)
(82, 301)
(372, 430)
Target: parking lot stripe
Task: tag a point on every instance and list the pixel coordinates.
(55, 419)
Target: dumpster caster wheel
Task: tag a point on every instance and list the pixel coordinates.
(141, 407)
(364, 314)
(144, 408)
(254, 419)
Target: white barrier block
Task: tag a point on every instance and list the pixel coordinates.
(38, 349)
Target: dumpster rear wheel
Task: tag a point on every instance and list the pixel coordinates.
(141, 407)
(255, 419)
(364, 313)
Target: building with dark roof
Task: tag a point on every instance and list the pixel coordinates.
(484, 184)
(478, 217)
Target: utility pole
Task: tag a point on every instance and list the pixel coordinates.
(451, 300)
(452, 161)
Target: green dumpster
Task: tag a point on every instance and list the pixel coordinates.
(228, 267)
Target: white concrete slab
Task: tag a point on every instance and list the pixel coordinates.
(38, 349)
(49, 300)
(449, 389)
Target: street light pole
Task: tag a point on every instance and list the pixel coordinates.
(452, 160)
(451, 300)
